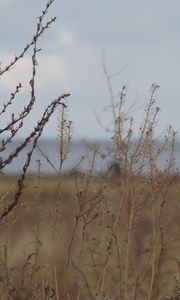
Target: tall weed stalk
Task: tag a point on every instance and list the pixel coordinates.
(93, 234)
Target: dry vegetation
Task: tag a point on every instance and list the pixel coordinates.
(113, 235)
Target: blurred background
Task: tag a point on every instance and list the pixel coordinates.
(140, 41)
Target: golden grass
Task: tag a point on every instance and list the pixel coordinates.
(42, 232)
(115, 235)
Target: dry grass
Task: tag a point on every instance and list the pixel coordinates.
(52, 242)
(88, 236)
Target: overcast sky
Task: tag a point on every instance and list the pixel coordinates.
(140, 37)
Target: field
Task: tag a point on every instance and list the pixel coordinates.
(74, 237)
(108, 234)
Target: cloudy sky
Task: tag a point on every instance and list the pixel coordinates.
(140, 38)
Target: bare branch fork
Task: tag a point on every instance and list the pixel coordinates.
(36, 133)
(16, 122)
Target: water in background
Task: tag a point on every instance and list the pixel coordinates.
(78, 159)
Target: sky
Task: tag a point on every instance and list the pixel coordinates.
(139, 38)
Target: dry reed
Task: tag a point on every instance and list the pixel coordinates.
(89, 235)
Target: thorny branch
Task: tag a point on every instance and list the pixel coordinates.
(36, 133)
(16, 122)
(41, 30)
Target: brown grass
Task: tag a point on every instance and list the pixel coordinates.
(82, 250)
(87, 236)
